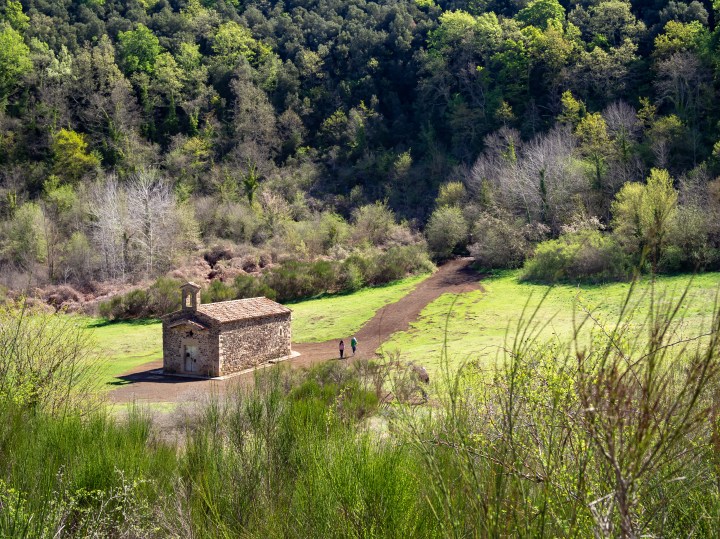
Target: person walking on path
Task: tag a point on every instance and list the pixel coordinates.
(342, 349)
(353, 344)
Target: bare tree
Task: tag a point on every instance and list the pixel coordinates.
(539, 179)
(110, 227)
(622, 121)
(624, 128)
(151, 205)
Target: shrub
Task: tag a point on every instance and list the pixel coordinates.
(373, 223)
(351, 276)
(161, 298)
(398, 262)
(47, 362)
(585, 256)
(688, 246)
(499, 243)
(294, 280)
(134, 304)
(446, 231)
(217, 291)
(165, 296)
(247, 286)
(62, 294)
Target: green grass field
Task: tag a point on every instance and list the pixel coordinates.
(479, 321)
(476, 327)
(333, 317)
(125, 345)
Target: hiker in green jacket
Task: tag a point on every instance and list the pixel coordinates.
(353, 344)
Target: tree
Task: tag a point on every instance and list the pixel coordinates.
(451, 194)
(609, 23)
(102, 99)
(540, 12)
(14, 61)
(373, 223)
(643, 215)
(254, 123)
(13, 14)
(595, 144)
(138, 49)
(71, 159)
(446, 231)
(251, 182)
(665, 135)
(56, 205)
(111, 231)
(24, 242)
(233, 42)
(573, 109)
(680, 37)
(150, 209)
(542, 182)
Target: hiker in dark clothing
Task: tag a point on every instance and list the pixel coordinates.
(353, 344)
(342, 349)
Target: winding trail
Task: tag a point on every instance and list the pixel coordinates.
(143, 385)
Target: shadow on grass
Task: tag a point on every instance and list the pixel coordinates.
(118, 382)
(103, 322)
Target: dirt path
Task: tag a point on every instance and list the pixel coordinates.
(454, 277)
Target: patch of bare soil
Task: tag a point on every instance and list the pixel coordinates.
(454, 277)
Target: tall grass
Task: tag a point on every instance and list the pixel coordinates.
(614, 433)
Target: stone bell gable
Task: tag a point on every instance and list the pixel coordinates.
(224, 338)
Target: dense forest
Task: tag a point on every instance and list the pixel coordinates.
(136, 134)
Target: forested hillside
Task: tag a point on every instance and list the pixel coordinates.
(136, 133)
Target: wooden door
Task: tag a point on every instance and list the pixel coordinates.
(191, 357)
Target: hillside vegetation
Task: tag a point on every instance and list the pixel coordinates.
(219, 139)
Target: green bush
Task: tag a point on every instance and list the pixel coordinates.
(688, 247)
(164, 296)
(351, 276)
(499, 243)
(386, 266)
(446, 231)
(398, 262)
(218, 291)
(247, 286)
(161, 298)
(584, 256)
(134, 304)
(294, 280)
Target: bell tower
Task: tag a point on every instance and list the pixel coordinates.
(190, 298)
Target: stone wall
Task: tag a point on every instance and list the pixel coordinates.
(248, 343)
(175, 341)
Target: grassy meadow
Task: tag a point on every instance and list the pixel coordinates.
(473, 326)
(124, 345)
(333, 317)
(476, 326)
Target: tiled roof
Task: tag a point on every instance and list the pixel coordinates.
(241, 309)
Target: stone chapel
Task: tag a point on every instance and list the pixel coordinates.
(219, 339)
